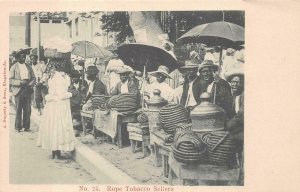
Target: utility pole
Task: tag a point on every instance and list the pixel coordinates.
(27, 28)
(39, 37)
(38, 43)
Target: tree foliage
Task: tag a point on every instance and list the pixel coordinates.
(117, 22)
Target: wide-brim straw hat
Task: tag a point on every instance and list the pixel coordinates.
(92, 70)
(208, 63)
(124, 70)
(237, 71)
(161, 70)
(19, 52)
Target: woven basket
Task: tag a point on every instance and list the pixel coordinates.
(123, 102)
(221, 147)
(171, 115)
(188, 148)
(99, 101)
(183, 126)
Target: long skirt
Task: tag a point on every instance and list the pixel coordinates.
(56, 128)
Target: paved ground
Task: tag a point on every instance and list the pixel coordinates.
(32, 165)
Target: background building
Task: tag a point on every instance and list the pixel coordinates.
(50, 26)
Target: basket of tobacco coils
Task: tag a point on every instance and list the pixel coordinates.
(183, 126)
(221, 147)
(188, 148)
(99, 102)
(172, 114)
(123, 103)
(168, 140)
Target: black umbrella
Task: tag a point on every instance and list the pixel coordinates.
(220, 33)
(139, 56)
(146, 58)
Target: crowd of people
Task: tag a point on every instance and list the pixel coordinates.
(59, 97)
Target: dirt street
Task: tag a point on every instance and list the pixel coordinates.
(32, 165)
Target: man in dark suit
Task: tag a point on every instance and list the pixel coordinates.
(96, 87)
(126, 85)
(22, 79)
(189, 95)
(219, 89)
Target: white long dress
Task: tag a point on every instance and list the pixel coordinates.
(112, 66)
(56, 128)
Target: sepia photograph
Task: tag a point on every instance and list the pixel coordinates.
(149, 96)
(127, 97)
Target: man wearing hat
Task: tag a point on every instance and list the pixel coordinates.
(236, 124)
(125, 85)
(161, 74)
(219, 88)
(22, 79)
(96, 87)
(188, 96)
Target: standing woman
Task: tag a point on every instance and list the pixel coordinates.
(56, 129)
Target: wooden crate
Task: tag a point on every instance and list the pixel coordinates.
(204, 172)
(135, 139)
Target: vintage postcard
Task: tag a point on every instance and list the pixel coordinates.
(140, 96)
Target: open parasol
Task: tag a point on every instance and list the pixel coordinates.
(87, 49)
(146, 58)
(151, 57)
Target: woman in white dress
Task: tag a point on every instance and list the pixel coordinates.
(112, 67)
(56, 129)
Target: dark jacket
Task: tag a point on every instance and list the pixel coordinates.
(98, 89)
(236, 124)
(133, 87)
(199, 87)
(221, 89)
